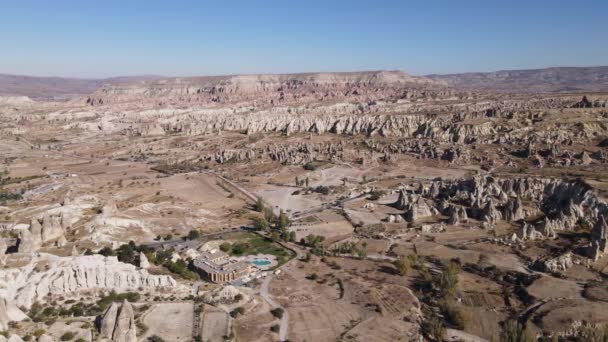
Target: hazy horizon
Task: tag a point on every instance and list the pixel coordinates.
(295, 73)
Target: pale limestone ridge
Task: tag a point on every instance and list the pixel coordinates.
(64, 275)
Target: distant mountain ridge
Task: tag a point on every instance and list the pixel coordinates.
(548, 80)
(57, 87)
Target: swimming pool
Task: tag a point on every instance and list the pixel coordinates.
(260, 262)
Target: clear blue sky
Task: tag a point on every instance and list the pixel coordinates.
(88, 38)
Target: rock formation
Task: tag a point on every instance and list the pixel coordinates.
(45, 338)
(12, 338)
(49, 228)
(118, 323)
(417, 209)
(599, 238)
(557, 264)
(9, 313)
(457, 214)
(143, 261)
(65, 275)
(3, 248)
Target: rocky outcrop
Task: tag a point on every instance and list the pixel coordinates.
(528, 232)
(402, 201)
(12, 338)
(3, 248)
(490, 213)
(66, 275)
(274, 89)
(562, 205)
(9, 312)
(513, 210)
(48, 228)
(118, 323)
(555, 265)
(143, 261)
(416, 209)
(46, 338)
(599, 238)
(27, 243)
(457, 215)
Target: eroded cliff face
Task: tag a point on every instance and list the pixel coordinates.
(67, 275)
(273, 89)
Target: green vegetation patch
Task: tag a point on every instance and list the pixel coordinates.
(251, 244)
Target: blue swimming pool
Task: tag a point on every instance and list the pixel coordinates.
(260, 262)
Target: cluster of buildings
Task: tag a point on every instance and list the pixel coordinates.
(219, 267)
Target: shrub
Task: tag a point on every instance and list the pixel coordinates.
(39, 332)
(193, 235)
(277, 312)
(260, 223)
(376, 194)
(68, 336)
(259, 205)
(238, 311)
(448, 279)
(225, 247)
(313, 276)
(455, 315)
(275, 328)
(514, 331)
(434, 327)
(402, 265)
(310, 166)
(155, 338)
(321, 189)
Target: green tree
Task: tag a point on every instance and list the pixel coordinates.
(277, 312)
(283, 220)
(193, 235)
(259, 205)
(260, 223)
(225, 247)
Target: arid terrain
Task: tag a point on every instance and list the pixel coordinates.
(361, 206)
